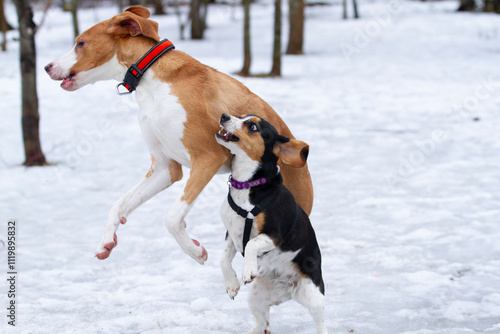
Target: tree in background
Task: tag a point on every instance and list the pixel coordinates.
(247, 54)
(74, 15)
(489, 6)
(354, 6)
(276, 69)
(4, 26)
(492, 6)
(199, 9)
(296, 19)
(467, 5)
(30, 117)
(159, 10)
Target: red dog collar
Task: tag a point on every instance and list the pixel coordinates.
(136, 71)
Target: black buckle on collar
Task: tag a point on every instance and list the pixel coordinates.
(136, 71)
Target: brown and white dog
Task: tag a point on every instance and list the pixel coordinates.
(181, 101)
(265, 223)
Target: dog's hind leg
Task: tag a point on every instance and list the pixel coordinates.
(264, 294)
(160, 176)
(203, 168)
(259, 301)
(311, 297)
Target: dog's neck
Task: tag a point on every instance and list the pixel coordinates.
(245, 169)
(131, 49)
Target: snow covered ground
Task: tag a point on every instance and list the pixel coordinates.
(400, 109)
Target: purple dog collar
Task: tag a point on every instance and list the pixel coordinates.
(247, 184)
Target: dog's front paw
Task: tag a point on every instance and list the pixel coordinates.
(106, 247)
(232, 287)
(199, 253)
(250, 271)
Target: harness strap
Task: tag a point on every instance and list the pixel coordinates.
(244, 213)
(136, 71)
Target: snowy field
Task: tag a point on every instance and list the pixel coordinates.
(401, 110)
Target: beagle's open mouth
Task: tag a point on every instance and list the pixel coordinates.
(227, 136)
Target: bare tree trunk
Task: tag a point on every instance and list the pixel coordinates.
(3, 19)
(4, 26)
(296, 18)
(74, 14)
(344, 9)
(355, 7)
(467, 6)
(276, 69)
(247, 55)
(182, 25)
(30, 117)
(159, 10)
(198, 18)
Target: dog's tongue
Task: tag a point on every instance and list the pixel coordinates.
(66, 84)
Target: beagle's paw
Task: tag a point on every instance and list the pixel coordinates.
(232, 287)
(250, 271)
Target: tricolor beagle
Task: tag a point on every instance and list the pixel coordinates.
(265, 223)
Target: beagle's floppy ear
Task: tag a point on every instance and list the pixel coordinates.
(291, 152)
(134, 22)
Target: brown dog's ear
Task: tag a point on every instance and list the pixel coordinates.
(134, 22)
(139, 11)
(292, 153)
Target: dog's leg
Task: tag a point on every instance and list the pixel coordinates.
(203, 168)
(258, 245)
(309, 295)
(264, 294)
(160, 176)
(230, 278)
(260, 303)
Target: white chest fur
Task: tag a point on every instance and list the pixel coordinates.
(162, 120)
(275, 260)
(235, 224)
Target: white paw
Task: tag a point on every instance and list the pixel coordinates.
(197, 252)
(232, 287)
(109, 239)
(105, 247)
(250, 271)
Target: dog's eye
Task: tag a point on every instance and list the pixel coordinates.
(80, 45)
(252, 127)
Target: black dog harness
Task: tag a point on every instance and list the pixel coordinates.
(136, 71)
(244, 213)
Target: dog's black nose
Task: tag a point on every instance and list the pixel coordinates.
(48, 67)
(224, 118)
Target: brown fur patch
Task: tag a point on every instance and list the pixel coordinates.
(293, 153)
(175, 170)
(151, 169)
(299, 271)
(260, 221)
(98, 48)
(251, 142)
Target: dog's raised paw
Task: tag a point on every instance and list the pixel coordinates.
(201, 258)
(249, 275)
(103, 253)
